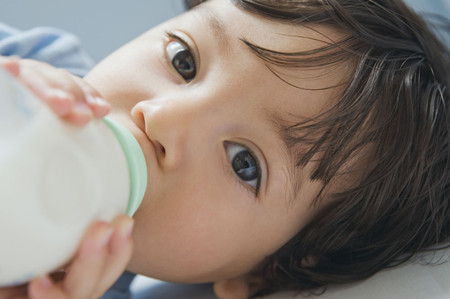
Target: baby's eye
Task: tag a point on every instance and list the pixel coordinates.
(244, 163)
(182, 59)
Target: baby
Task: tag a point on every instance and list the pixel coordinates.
(289, 144)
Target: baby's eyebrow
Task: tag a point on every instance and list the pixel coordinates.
(217, 29)
(288, 154)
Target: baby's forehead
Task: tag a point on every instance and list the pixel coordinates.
(307, 56)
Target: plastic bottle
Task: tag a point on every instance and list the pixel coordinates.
(55, 180)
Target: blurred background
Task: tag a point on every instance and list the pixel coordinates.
(105, 25)
(102, 25)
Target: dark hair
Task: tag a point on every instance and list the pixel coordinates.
(394, 114)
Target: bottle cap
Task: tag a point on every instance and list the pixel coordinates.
(137, 167)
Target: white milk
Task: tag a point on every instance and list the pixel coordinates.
(55, 180)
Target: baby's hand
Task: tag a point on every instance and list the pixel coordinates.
(69, 96)
(100, 260)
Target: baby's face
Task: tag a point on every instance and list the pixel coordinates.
(221, 193)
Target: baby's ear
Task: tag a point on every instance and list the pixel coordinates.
(234, 288)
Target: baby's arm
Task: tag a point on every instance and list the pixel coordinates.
(106, 247)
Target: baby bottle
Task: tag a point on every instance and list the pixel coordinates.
(55, 180)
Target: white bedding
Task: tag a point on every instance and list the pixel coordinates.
(408, 281)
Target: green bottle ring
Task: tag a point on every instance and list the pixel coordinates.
(137, 166)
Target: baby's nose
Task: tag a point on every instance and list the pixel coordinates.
(168, 128)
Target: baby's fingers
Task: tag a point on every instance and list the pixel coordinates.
(69, 96)
(87, 269)
(11, 64)
(85, 272)
(96, 103)
(120, 250)
(102, 258)
(44, 287)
